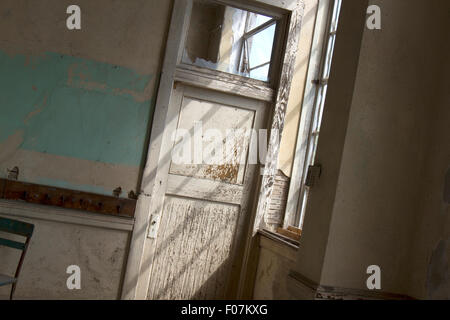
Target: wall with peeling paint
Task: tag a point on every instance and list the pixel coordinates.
(76, 105)
(74, 108)
(75, 112)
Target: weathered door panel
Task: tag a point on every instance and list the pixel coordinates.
(206, 206)
(192, 260)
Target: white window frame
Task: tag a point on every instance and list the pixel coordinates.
(312, 109)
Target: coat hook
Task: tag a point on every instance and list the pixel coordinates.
(13, 174)
(117, 192)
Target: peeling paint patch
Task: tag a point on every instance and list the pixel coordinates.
(225, 172)
(31, 115)
(90, 76)
(75, 107)
(438, 282)
(10, 145)
(37, 111)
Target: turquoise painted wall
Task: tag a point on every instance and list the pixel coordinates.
(75, 107)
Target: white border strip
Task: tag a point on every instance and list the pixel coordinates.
(16, 209)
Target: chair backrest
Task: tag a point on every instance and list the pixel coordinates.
(18, 228)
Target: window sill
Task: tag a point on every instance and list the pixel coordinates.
(280, 239)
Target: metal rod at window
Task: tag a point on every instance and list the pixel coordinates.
(260, 28)
(260, 66)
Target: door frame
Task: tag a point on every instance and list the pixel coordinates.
(155, 173)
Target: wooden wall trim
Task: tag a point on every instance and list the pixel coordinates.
(323, 292)
(279, 238)
(64, 198)
(19, 210)
(277, 245)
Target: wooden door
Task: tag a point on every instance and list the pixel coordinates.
(195, 226)
(200, 237)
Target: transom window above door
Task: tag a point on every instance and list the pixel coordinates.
(231, 40)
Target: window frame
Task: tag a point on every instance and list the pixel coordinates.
(312, 109)
(278, 13)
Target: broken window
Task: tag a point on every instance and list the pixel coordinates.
(231, 40)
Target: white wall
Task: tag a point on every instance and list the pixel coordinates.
(384, 153)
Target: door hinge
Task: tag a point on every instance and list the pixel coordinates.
(322, 82)
(313, 176)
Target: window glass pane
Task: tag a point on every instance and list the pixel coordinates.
(260, 73)
(260, 47)
(329, 56)
(217, 39)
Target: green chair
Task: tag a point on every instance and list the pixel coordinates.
(18, 228)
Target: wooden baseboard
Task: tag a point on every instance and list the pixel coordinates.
(315, 291)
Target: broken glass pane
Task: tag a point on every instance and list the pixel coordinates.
(230, 40)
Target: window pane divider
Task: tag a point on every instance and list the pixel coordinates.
(260, 66)
(259, 29)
